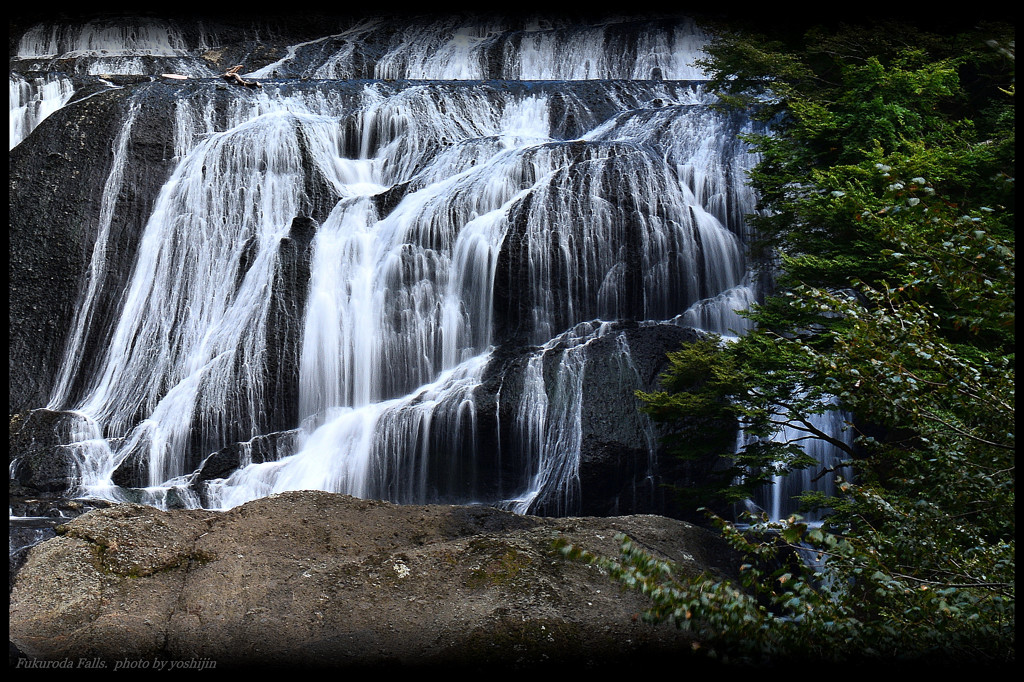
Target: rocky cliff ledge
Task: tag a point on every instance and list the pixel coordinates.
(316, 579)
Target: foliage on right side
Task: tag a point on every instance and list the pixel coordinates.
(886, 190)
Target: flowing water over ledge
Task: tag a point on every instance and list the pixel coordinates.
(482, 190)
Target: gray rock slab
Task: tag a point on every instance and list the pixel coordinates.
(317, 579)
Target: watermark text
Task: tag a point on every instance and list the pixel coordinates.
(122, 664)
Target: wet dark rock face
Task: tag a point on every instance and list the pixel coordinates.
(56, 183)
(40, 460)
(619, 468)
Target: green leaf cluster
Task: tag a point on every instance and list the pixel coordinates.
(886, 218)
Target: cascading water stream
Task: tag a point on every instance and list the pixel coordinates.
(779, 500)
(459, 220)
(108, 47)
(190, 338)
(97, 268)
(32, 100)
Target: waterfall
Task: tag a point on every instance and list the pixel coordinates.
(549, 419)
(779, 500)
(487, 206)
(519, 49)
(97, 268)
(110, 46)
(34, 99)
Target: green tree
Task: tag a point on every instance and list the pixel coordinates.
(887, 215)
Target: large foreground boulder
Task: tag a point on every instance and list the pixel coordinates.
(317, 579)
